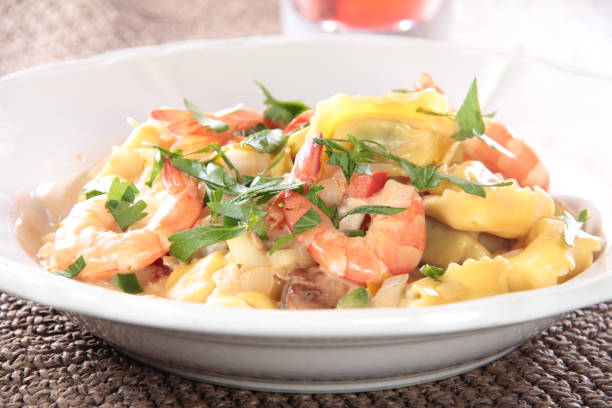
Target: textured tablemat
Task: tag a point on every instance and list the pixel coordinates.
(46, 360)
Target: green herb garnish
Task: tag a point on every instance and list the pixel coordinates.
(120, 203)
(185, 243)
(158, 164)
(73, 270)
(573, 225)
(469, 116)
(422, 177)
(374, 209)
(350, 161)
(128, 282)
(215, 124)
(432, 271)
(356, 233)
(269, 141)
(307, 221)
(280, 111)
(359, 298)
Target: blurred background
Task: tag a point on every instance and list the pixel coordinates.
(574, 32)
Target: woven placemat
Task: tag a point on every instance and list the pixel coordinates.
(46, 360)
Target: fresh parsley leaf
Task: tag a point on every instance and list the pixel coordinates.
(253, 129)
(235, 211)
(215, 124)
(125, 213)
(211, 173)
(73, 270)
(356, 233)
(469, 116)
(269, 141)
(281, 111)
(432, 271)
(158, 164)
(266, 189)
(330, 212)
(307, 221)
(121, 191)
(355, 161)
(374, 209)
(279, 243)
(401, 90)
(573, 225)
(422, 177)
(214, 196)
(428, 176)
(128, 282)
(119, 201)
(185, 243)
(358, 298)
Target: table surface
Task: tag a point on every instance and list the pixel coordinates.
(46, 360)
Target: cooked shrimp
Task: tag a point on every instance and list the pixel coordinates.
(192, 136)
(91, 231)
(525, 167)
(393, 244)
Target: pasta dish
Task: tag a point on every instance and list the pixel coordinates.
(395, 200)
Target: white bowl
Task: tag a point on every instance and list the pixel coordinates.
(50, 114)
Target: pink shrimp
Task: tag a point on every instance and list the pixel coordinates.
(192, 136)
(91, 231)
(525, 167)
(393, 244)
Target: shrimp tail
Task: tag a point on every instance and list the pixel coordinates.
(308, 161)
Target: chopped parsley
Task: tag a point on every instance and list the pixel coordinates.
(120, 203)
(307, 221)
(421, 177)
(350, 161)
(280, 111)
(215, 124)
(374, 209)
(269, 141)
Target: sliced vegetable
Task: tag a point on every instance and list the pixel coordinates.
(74, 269)
(432, 271)
(359, 298)
(128, 282)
